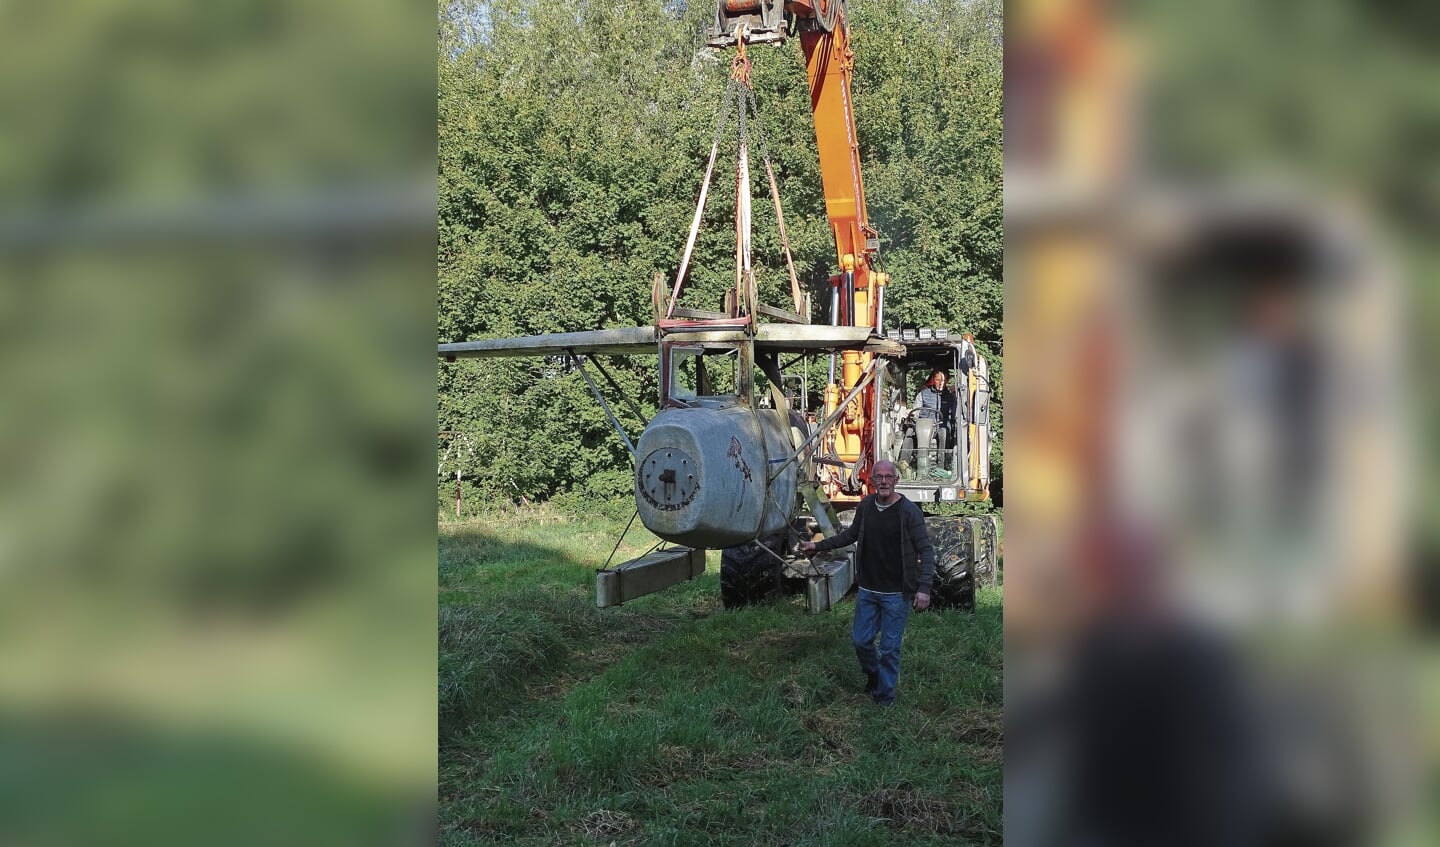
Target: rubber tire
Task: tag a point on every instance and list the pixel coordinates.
(748, 575)
(954, 584)
(953, 588)
(988, 571)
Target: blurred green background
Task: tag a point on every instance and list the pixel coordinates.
(1225, 213)
(216, 516)
(217, 409)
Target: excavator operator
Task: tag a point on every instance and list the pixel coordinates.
(937, 405)
(934, 402)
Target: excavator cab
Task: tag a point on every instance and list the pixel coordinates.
(942, 456)
(929, 433)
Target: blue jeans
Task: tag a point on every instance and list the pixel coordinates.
(885, 615)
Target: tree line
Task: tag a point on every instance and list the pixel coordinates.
(572, 143)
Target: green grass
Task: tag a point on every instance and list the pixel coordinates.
(670, 721)
(91, 774)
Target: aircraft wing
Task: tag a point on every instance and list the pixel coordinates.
(801, 338)
(627, 341)
(779, 337)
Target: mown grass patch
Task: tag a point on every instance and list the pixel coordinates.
(669, 721)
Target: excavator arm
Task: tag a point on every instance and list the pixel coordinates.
(824, 36)
(829, 64)
(857, 290)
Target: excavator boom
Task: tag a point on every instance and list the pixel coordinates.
(864, 432)
(829, 63)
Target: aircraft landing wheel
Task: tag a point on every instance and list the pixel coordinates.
(954, 585)
(748, 574)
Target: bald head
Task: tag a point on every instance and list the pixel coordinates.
(883, 477)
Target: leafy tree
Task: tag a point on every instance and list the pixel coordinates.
(572, 141)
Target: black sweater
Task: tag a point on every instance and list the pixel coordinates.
(918, 555)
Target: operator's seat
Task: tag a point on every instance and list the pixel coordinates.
(932, 439)
(933, 444)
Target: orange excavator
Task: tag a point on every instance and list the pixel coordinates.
(719, 468)
(877, 401)
(943, 453)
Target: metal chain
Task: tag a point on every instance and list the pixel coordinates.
(740, 64)
(720, 121)
(759, 130)
(739, 86)
(775, 197)
(721, 118)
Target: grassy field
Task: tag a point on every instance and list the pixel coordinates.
(671, 721)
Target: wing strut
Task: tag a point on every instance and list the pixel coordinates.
(629, 403)
(819, 504)
(603, 405)
(865, 378)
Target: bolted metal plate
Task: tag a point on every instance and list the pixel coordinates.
(668, 479)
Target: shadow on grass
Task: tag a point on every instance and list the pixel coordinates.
(89, 777)
(669, 719)
(518, 620)
(753, 723)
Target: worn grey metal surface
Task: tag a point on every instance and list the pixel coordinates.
(828, 581)
(641, 339)
(635, 339)
(702, 477)
(801, 337)
(647, 574)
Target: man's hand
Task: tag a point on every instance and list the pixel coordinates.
(806, 548)
(922, 601)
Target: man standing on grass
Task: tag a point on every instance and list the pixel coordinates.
(894, 566)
